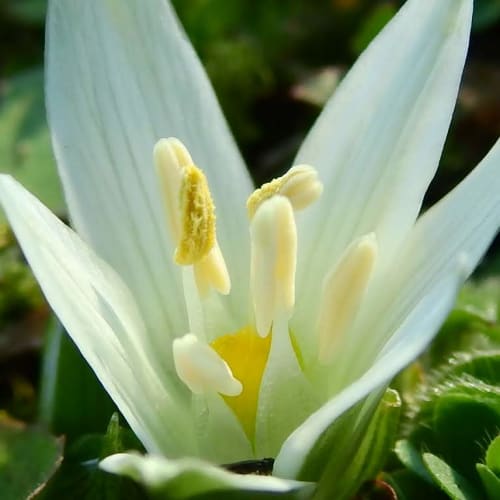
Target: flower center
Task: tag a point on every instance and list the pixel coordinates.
(235, 365)
(246, 354)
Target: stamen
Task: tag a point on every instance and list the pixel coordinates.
(274, 256)
(202, 369)
(187, 199)
(191, 215)
(300, 185)
(198, 218)
(170, 158)
(343, 290)
(211, 271)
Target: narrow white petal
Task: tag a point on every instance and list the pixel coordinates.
(189, 478)
(101, 316)
(377, 144)
(463, 223)
(414, 334)
(120, 76)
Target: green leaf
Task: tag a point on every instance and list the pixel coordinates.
(464, 330)
(477, 405)
(28, 458)
(493, 456)
(72, 400)
(25, 149)
(460, 372)
(491, 482)
(411, 458)
(408, 381)
(472, 325)
(481, 297)
(367, 454)
(30, 11)
(80, 471)
(457, 412)
(449, 480)
(486, 12)
(409, 486)
(374, 22)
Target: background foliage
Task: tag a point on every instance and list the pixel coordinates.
(273, 64)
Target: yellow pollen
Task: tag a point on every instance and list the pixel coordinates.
(300, 185)
(197, 218)
(246, 354)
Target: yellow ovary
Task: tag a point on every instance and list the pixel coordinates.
(246, 354)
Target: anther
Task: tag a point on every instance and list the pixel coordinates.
(343, 290)
(273, 261)
(202, 369)
(300, 185)
(198, 218)
(211, 271)
(191, 215)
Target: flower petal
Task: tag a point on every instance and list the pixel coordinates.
(121, 75)
(462, 224)
(213, 419)
(283, 387)
(377, 144)
(187, 478)
(465, 221)
(458, 228)
(102, 318)
(413, 335)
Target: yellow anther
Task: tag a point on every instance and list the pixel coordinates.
(343, 290)
(188, 203)
(197, 216)
(273, 261)
(191, 215)
(246, 353)
(300, 185)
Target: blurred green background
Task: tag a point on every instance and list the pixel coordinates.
(273, 64)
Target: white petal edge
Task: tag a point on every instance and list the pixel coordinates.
(377, 144)
(414, 333)
(99, 313)
(158, 474)
(463, 222)
(120, 76)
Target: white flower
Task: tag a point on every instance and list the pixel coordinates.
(353, 286)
